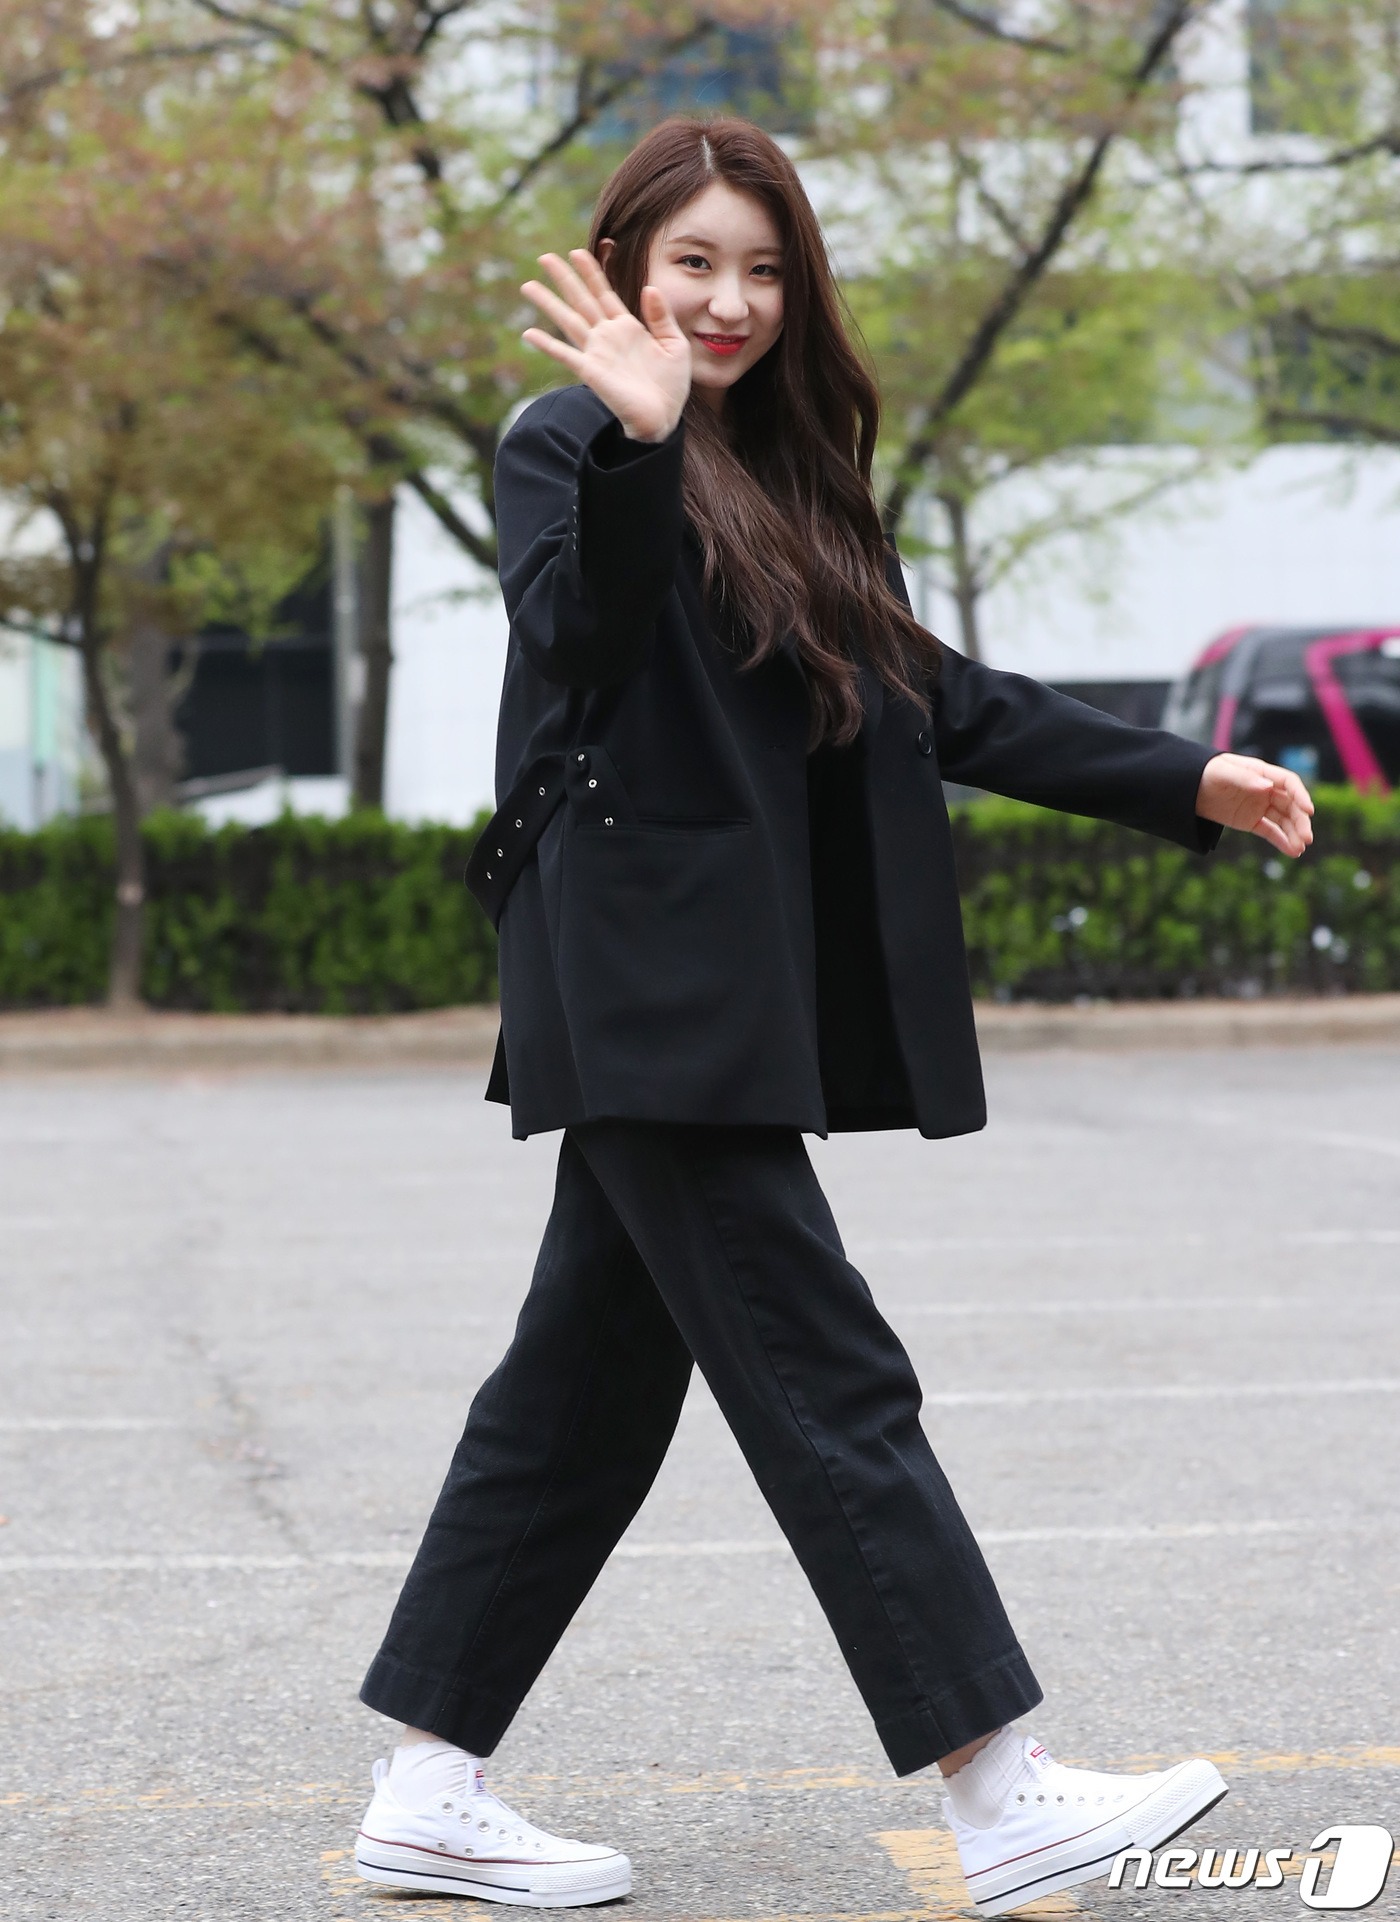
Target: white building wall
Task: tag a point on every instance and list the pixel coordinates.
(41, 743)
(1304, 534)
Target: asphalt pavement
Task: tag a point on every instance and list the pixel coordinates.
(1154, 1309)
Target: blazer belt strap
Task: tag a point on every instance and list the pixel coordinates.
(507, 840)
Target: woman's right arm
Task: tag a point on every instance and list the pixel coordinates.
(588, 484)
(590, 527)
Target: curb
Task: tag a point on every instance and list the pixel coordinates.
(59, 1039)
(86, 1038)
(1360, 1020)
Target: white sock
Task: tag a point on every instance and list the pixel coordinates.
(979, 1790)
(420, 1772)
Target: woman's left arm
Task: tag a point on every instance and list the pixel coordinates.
(1014, 736)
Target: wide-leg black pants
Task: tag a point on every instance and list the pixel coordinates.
(668, 1245)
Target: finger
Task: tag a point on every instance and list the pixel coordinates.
(571, 287)
(596, 281)
(1271, 832)
(569, 322)
(656, 312)
(556, 349)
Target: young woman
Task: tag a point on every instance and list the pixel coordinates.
(728, 915)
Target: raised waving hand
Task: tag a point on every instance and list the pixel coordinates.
(639, 368)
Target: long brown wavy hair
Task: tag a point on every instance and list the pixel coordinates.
(779, 490)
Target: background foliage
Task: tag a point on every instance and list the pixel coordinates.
(362, 915)
(366, 915)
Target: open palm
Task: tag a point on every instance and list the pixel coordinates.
(639, 368)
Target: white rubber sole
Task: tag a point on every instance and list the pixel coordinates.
(1190, 1791)
(547, 1885)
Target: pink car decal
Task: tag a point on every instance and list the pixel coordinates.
(1359, 763)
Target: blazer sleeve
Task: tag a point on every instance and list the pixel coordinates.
(1016, 737)
(590, 527)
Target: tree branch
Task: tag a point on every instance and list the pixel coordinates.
(985, 24)
(258, 23)
(1387, 345)
(1354, 426)
(968, 171)
(1387, 141)
(1004, 310)
(437, 503)
(35, 631)
(145, 56)
(590, 108)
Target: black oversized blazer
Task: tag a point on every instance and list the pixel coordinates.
(713, 926)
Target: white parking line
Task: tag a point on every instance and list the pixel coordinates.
(1296, 1238)
(1136, 1304)
(107, 1424)
(398, 1559)
(1162, 1391)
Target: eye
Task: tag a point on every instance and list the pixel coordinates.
(772, 273)
(693, 260)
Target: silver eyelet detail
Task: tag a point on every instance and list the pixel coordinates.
(607, 820)
(593, 784)
(520, 824)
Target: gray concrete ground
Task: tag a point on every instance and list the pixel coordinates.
(1155, 1312)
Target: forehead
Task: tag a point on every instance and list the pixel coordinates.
(725, 219)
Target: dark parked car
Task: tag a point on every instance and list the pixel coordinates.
(1324, 701)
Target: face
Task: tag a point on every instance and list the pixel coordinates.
(719, 262)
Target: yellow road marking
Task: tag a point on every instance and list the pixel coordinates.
(929, 1857)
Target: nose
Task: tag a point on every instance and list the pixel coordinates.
(728, 302)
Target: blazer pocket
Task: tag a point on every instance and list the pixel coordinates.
(654, 917)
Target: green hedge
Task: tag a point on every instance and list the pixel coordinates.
(1056, 907)
(368, 915)
(361, 915)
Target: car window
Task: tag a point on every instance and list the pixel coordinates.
(1191, 706)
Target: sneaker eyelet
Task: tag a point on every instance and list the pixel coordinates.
(1020, 1798)
(1059, 1798)
(447, 1808)
(469, 1850)
(483, 1825)
(1040, 1798)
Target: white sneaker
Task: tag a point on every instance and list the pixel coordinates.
(470, 1843)
(1061, 1826)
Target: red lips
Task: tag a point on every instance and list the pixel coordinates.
(723, 343)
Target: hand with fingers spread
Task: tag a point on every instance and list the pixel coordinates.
(640, 368)
(1261, 799)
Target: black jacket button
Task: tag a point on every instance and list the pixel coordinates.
(925, 742)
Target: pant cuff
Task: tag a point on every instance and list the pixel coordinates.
(470, 1718)
(984, 1702)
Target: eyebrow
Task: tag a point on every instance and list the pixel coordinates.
(702, 240)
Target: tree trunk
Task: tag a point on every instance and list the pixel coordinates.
(158, 753)
(376, 596)
(966, 589)
(129, 926)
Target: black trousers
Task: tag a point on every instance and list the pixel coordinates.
(669, 1245)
